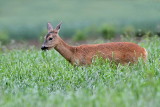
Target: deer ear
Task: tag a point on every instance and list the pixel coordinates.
(58, 26)
(49, 27)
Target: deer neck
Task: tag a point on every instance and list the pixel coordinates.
(64, 49)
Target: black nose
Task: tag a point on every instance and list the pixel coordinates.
(44, 48)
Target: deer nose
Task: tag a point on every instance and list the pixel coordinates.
(43, 47)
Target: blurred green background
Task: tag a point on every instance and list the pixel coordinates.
(27, 19)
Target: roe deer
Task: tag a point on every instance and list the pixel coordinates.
(119, 52)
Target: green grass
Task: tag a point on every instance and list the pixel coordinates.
(27, 19)
(32, 78)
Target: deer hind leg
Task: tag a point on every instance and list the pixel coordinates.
(126, 58)
(145, 55)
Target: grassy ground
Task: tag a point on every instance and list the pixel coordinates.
(32, 78)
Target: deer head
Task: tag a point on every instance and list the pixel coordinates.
(52, 38)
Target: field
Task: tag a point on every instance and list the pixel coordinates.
(27, 19)
(32, 78)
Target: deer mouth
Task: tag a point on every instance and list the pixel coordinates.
(44, 48)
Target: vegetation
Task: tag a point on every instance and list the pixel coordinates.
(4, 37)
(79, 36)
(108, 32)
(26, 19)
(129, 31)
(32, 78)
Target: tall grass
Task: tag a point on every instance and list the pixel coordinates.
(32, 78)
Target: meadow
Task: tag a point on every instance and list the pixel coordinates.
(32, 78)
(27, 19)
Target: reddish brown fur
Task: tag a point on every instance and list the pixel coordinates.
(120, 52)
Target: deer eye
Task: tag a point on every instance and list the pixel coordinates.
(50, 38)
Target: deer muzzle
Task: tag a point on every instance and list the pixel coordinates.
(44, 47)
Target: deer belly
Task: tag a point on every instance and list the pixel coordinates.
(117, 56)
(79, 61)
